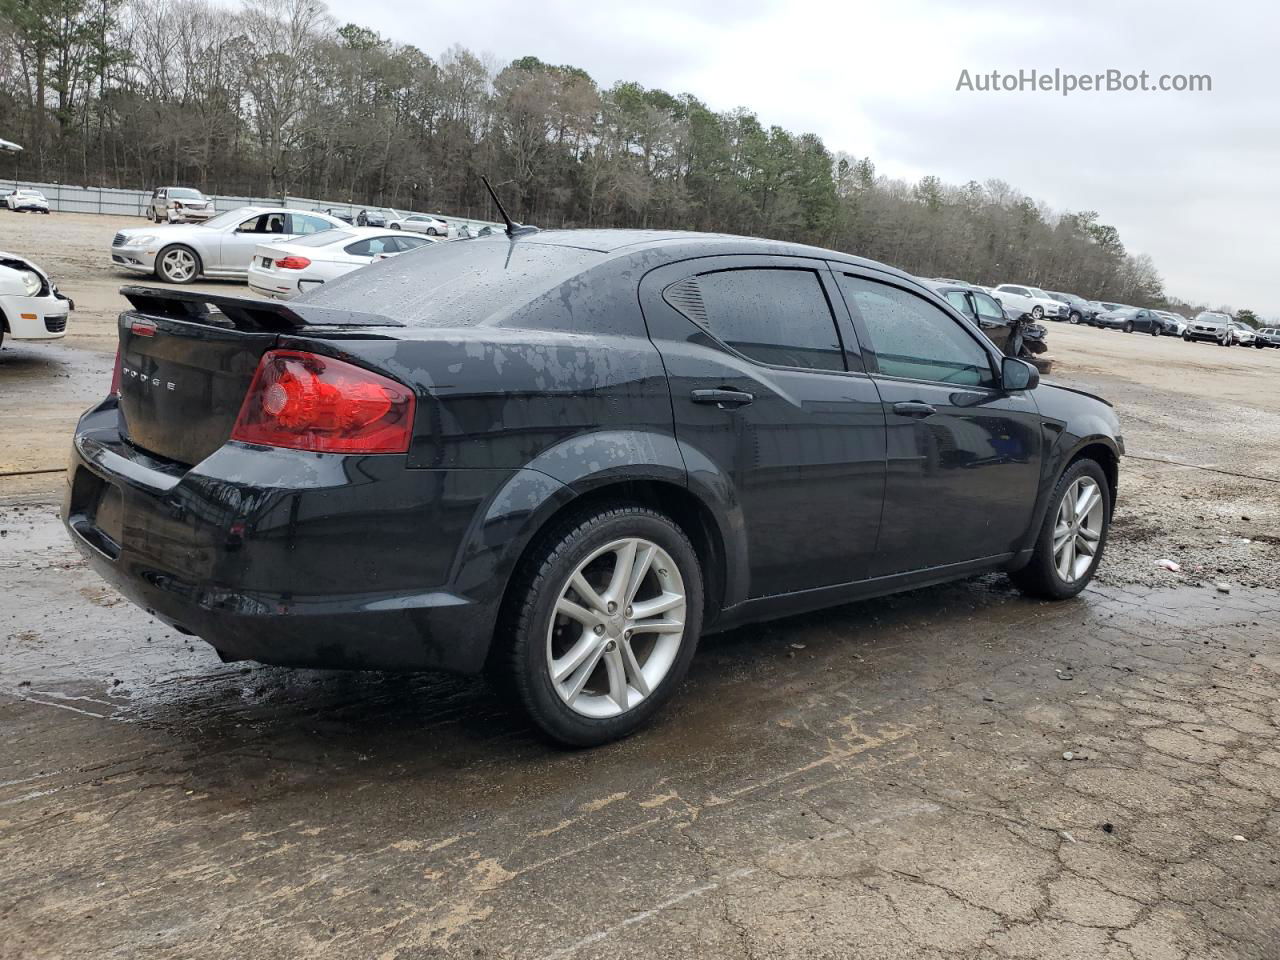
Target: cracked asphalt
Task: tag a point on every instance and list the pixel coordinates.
(884, 780)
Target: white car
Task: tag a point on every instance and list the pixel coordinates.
(1018, 299)
(221, 247)
(31, 308)
(289, 268)
(421, 223)
(26, 201)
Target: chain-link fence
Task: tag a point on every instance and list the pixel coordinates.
(64, 198)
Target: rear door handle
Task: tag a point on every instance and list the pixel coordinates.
(722, 397)
(914, 408)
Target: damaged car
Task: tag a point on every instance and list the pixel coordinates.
(31, 307)
(559, 458)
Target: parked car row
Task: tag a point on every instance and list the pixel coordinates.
(1036, 303)
(282, 253)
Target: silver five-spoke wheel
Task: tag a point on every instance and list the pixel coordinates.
(178, 265)
(617, 628)
(1078, 529)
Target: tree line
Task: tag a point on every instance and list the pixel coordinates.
(276, 97)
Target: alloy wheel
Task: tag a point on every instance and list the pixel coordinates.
(617, 628)
(1078, 529)
(178, 265)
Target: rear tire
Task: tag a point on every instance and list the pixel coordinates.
(634, 667)
(1044, 576)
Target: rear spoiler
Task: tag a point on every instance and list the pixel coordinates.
(246, 313)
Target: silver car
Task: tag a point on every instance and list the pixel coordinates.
(221, 247)
(179, 205)
(421, 223)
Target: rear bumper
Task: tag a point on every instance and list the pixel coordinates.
(326, 561)
(35, 318)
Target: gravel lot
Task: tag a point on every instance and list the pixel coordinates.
(882, 780)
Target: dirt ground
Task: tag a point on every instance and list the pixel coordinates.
(886, 780)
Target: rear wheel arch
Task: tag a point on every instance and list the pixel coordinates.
(684, 508)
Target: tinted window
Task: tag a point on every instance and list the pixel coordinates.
(774, 316)
(373, 247)
(914, 339)
(459, 285)
(410, 243)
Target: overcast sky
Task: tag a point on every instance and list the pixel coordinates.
(1190, 178)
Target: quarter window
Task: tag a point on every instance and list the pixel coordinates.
(775, 316)
(914, 339)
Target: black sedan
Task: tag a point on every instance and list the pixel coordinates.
(1131, 319)
(561, 457)
(1267, 337)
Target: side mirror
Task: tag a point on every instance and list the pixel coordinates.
(1018, 375)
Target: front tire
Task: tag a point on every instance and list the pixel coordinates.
(1128, 327)
(1074, 318)
(1037, 312)
(178, 264)
(395, 226)
(1072, 537)
(600, 624)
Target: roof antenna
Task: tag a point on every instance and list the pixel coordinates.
(513, 229)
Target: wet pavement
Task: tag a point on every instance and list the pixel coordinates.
(884, 780)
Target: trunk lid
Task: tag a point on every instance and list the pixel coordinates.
(185, 368)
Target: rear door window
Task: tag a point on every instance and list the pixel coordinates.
(304, 224)
(912, 338)
(775, 316)
(958, 300)
(988, 309)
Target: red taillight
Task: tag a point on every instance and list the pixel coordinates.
(293, 263)
(308, 402)
(115, 376)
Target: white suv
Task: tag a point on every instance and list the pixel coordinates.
(1031, 300)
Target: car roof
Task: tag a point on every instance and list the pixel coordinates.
(688, 244)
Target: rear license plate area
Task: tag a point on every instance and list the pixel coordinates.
(97, 512)
(266, 263)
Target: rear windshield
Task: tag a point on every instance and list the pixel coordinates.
(323, 238)
(456, 284)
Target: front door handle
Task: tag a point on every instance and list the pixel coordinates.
(914, 408)
(722, 397)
